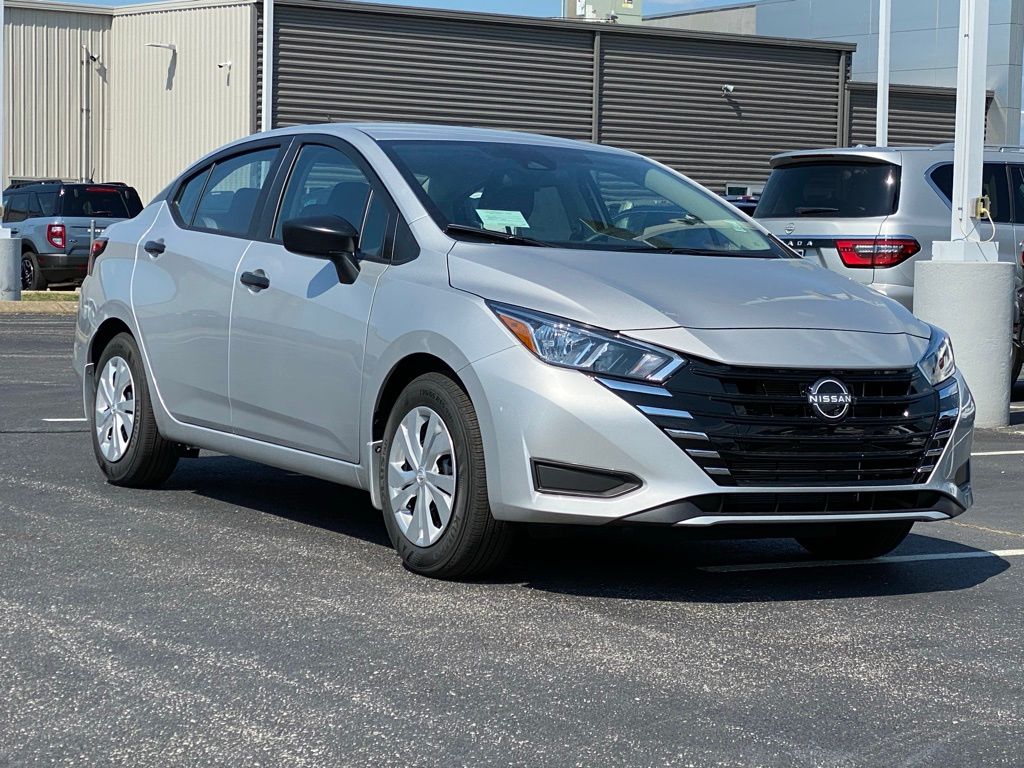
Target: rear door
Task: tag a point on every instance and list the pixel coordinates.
(185, 274)
(815, 203)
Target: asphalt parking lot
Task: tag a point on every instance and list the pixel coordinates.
(249, 616)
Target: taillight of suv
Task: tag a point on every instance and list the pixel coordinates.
(878, 252)
(56, 235)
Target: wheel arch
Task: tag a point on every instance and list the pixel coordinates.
(106, 331)
(398, 378)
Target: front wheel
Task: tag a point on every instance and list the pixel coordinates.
(857, 541)
(125, 438)
(433, 483)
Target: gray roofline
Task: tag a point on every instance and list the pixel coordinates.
(122, 10)
(701, 11)
(908, 89)
(618, 29)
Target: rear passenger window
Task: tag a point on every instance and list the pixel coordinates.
(993, 184)
(229, 201)
(47, 203)
(187, 199)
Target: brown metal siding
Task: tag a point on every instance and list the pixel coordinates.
(917, 116)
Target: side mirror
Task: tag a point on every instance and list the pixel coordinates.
(325, 237)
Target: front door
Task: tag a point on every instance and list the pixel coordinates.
(297, 343)
(184, 278)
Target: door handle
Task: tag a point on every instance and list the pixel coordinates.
(256, 280)
(14, 231)
(154, 247)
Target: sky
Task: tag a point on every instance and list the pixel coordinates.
(518, 7)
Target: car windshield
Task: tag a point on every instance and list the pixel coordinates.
(848, 189)
(566, 197)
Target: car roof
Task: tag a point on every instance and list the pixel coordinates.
(894, 155)
(428, 131)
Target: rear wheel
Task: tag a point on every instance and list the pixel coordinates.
(31, 276)
(125, 438)
(433, 483)
(857, 541)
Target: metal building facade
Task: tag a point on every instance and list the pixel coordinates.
(169, 107)
(659, 92)
(149, 111)
(45, 92)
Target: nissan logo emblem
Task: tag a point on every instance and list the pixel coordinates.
(790, 227)
(829, 399)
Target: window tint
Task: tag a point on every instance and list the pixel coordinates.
(101, 202)
(374, 233)
(33, 205)
(47, 202)
(1017, 190)
(187, 199)
(324, 182)
(993, 184)
(230, 198)
(831, 190)
(17, 208)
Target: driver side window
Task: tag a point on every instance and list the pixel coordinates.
(324, 182)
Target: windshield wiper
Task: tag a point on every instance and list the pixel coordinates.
(491, 235)
(813, 210)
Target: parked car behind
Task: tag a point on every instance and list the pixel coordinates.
(872, 213)
(483, 328)
(53, 220)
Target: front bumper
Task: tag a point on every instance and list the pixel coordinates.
(530, 411)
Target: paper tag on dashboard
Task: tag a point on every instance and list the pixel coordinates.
(499, 221)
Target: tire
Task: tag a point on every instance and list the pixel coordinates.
(857, 541)
(1018, 359)
(471, 542)
(31, 276)
(140, 458)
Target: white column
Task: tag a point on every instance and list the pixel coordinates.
(267, 112)
(882, 91)
(968, 152)
(965, 289)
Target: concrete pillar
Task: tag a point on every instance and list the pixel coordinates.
(10, 268)
(972, 301)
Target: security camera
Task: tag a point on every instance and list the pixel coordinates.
(93, 58)
(727, 89)
(224, 64)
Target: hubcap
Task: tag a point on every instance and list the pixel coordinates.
(115, 409)
(421, 476)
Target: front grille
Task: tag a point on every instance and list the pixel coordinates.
(755, 427)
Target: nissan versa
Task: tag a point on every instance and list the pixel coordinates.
(485, 328)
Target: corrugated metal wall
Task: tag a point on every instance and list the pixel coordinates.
(663, 97)
(169, 108)
(43, 92)
(918, 116)
(361, 66)
(653, 91)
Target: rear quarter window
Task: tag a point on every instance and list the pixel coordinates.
(831, 190)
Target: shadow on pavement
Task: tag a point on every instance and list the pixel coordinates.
(620, 563)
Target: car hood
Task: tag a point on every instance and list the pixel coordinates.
(633, 291)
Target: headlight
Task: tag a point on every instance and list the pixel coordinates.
(937, 364)
(561, 342)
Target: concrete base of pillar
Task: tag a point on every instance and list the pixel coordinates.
(973, 302)
(10, 269)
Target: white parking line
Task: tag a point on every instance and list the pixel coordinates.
(998, 453)
(876, 561)
(58, 421)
